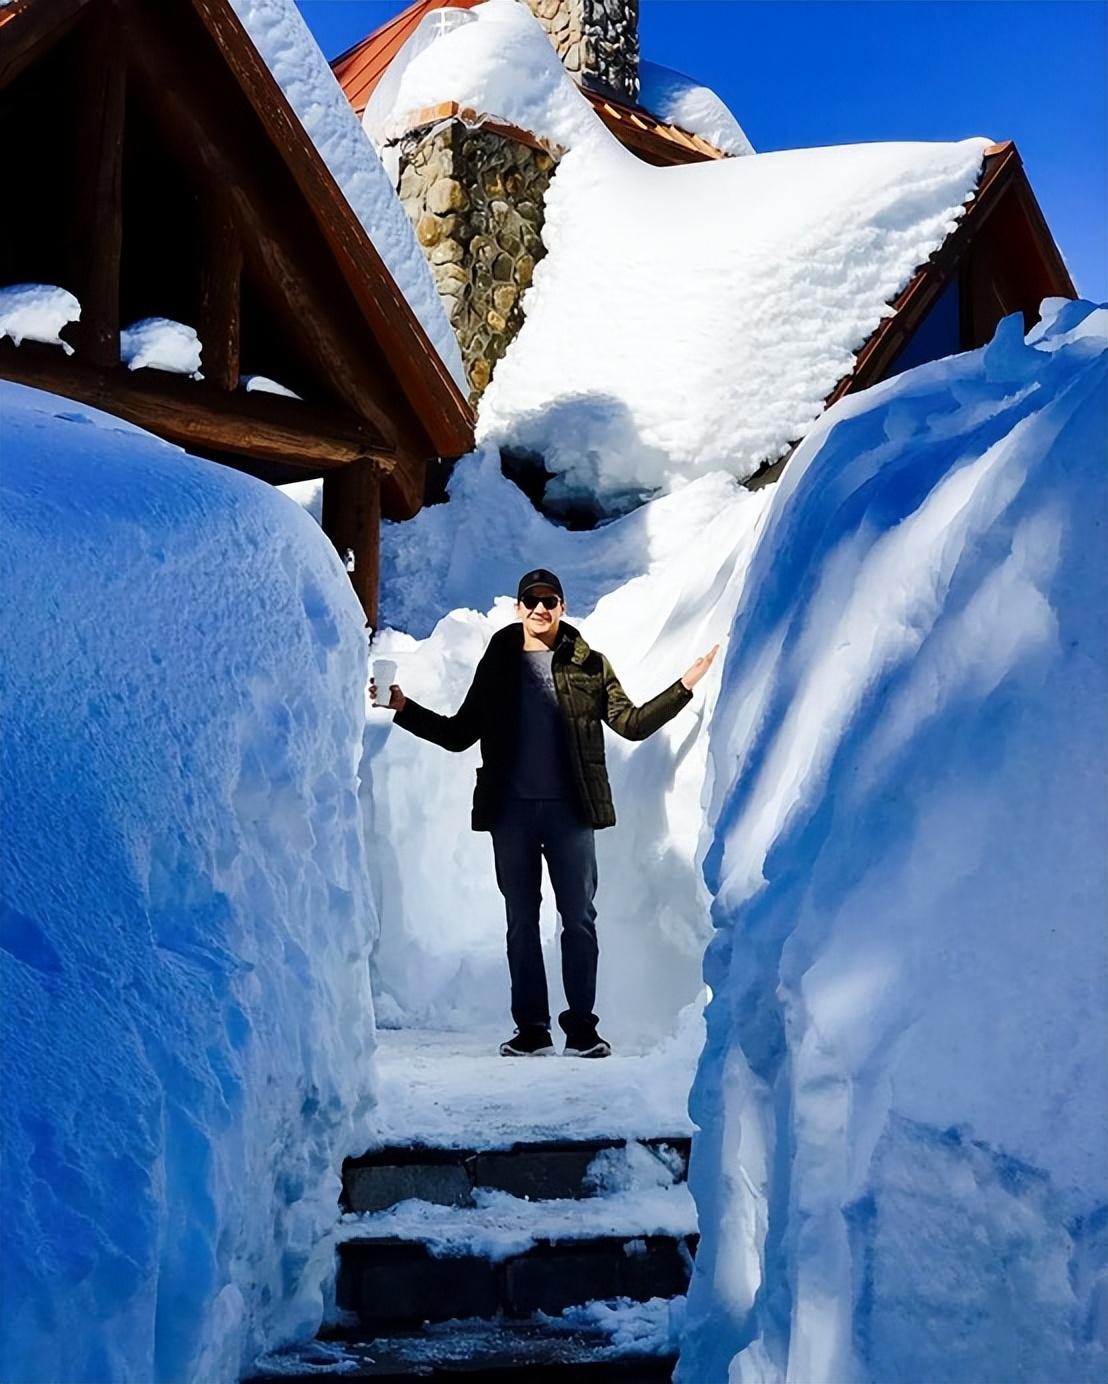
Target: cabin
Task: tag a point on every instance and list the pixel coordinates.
(1001, 257)
(156, 172)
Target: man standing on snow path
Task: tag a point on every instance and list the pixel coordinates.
(536, 703)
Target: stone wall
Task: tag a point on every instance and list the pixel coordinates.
(476, 200)
(597, 40)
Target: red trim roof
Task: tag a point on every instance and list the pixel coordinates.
(362, 66)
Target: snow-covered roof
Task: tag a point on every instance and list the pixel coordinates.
(494, 59)
(285, 43)
(691, 106)
(691, 319)
(675, 121)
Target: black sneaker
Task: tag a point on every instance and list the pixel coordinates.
(588, 1045)
(529, 1042)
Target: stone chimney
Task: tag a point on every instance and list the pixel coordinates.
(597, 40)
(476, 199)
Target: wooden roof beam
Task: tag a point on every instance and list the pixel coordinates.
(440, 420)
(96, 249)
(202, 139)
(29, 28)
(264, 427)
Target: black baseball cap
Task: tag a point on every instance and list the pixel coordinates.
(539, 577)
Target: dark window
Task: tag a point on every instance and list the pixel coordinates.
(938, 335)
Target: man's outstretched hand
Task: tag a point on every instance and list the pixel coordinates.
(396, 697)
(699, 668)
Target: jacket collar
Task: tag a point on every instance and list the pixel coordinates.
(569, 646)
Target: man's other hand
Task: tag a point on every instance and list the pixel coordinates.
(699, 668)
(396, 697)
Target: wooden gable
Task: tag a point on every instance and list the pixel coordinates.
(158, 170)
(1000, 259)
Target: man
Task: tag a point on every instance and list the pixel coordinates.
(536, 703)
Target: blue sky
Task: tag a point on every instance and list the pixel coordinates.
(798, 73)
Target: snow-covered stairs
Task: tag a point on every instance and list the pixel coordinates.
(522, 1220)
(507, 1233)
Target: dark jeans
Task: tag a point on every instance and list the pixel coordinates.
(527, 829)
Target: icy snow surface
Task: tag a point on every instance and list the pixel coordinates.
(453, 1090)
(286, 45)
(653, 591)
(158, 343)
(903, 1168)
(37, 312)
(187, 1024)
(500, 1226)
(684, 102)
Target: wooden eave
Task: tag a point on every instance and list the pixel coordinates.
(438, 403)
(652, 139)
(1002, 175)
(282, 433)
(430, 416)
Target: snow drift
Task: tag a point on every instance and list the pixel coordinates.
(902, 1171)
(187, 1025)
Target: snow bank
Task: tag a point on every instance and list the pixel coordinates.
(37, 312)
(903, 1169)
(159, 343)
(286, 44)
(652, 591)
(686, 320)
(684, 102)
(187, 1025)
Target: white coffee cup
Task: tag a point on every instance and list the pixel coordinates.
(384, 675)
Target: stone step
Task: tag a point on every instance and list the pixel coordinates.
(390, 1283)
(505, 1351)
(448, 1177)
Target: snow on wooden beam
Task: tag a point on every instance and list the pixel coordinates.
(264, 427)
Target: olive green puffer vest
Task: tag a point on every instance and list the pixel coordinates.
(588, 694)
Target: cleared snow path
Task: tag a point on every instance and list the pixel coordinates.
(452, 1090)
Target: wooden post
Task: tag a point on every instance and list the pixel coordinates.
(220, 295)
(352, 521)
(97, 231)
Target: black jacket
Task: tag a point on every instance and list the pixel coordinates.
(588, 693)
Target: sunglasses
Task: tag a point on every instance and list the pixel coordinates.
(547, 602)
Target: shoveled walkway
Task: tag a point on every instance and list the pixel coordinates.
(453, 1090)
(513, 1219)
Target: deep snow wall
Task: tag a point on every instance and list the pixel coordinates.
(186, 1019)
(902, 1173)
